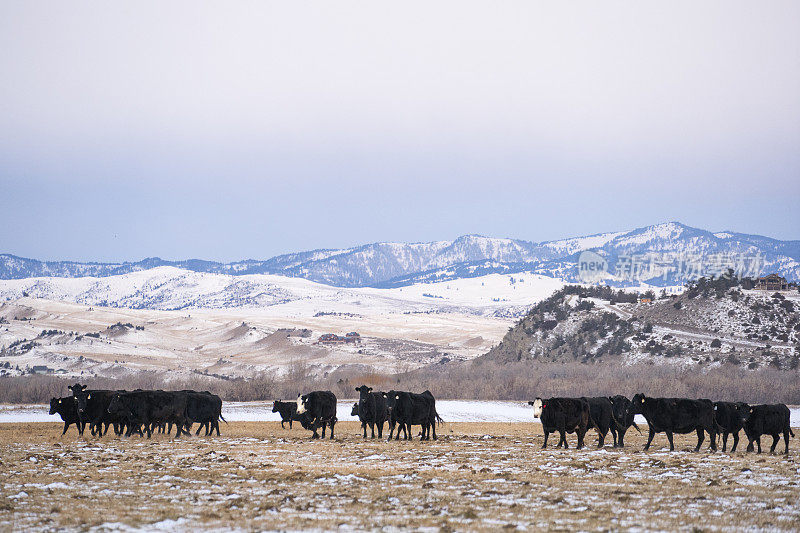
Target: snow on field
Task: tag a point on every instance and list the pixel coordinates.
(449, 410)
(169, 288)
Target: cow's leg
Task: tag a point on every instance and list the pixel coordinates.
(758, 441)
(364, 429)
(671, 443)
(409, 435)
(701, 436)
(332, 422)
(323, 429)
(563, 439)
(433, 429)
(380, 429)
(601, 438)
(650, 437)
(712, 435)
(786, 440)
(735, 441)
(775, 438)
(282, 426)
(546, 434)
(66, 425)
(725, 440)
(580, 433)
(372, 429)
(621, 438)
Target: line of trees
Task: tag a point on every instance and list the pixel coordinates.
(484, 380)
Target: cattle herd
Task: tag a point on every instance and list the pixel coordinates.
(663, 415)
(139, 411)
(146, 411)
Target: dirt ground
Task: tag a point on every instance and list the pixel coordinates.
(477, 476)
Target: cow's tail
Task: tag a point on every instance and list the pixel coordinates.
(634, 424)
(592, 422)
(791, 432)
(720, 430)
(222, 418)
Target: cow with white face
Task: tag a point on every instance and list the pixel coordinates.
(562, 415)
(317, 409)
(537, 407)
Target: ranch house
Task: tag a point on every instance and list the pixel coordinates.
(772, 282)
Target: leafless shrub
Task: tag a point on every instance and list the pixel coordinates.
(480, 381)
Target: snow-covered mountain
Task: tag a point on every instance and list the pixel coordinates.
(402, 264)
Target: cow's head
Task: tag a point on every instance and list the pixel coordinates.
(391, 399)
(363, 390)
(354, 412)
(80, 395)
(55, 405)
(301, 404)
(538, 404)
(620, 407)
(275, 406)
(637, 404)
(116, 406)
(742, 411)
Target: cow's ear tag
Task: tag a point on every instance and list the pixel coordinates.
(59, 401)
(88, 396)
(397, 397)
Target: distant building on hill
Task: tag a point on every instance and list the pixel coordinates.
(772, 282)
(332, 338)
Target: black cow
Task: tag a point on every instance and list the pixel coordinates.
(372, 410)
(317, 409)
(601, 418)
(730, 417)
(392, 420)
(151, 408)
(677, 415)
(287, 410)
(564, 415)
(67, 409)
(93, 409)
(624, 417)
(205, 409)
(409, 409)
(768, 420)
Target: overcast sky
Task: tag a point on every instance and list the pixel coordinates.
(246, 129)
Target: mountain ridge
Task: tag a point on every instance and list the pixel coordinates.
(392, 264)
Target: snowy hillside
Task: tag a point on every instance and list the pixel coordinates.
(169, 288)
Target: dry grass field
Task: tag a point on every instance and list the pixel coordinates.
(477, 476)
